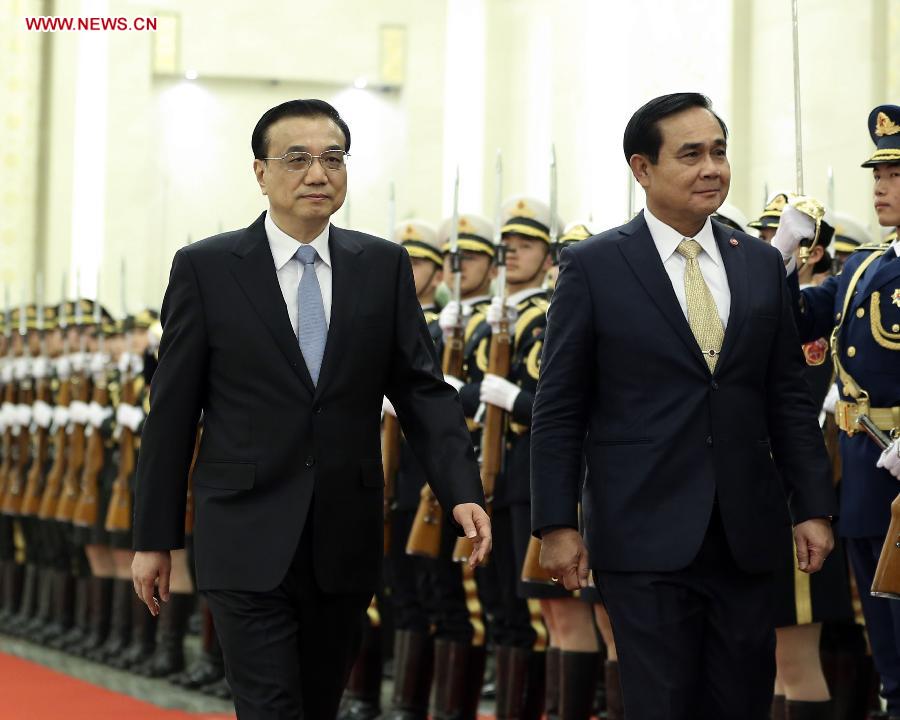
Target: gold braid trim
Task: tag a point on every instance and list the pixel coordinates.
(886, 339)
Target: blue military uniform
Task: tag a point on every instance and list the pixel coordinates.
(860, 310)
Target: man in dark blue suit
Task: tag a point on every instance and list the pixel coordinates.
(860, 310)
(672, 363)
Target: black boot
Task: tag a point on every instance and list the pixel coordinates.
(12, 593)
(98, 617)
(475, 673)
(512, 679)
(119, 622)
(80, 616)
(362, 697)
(44, 606)
(28, 602)
(778, 707)
(62, 594)
(209, 667)
(615, 709)
(218, 689)
(552, 683)
(168, 658)
(451, 671)
(800, 710)
(578, 678)
(413, 662)
(143, 638)
(534, 688)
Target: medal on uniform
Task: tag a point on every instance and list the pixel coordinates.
(895, 298)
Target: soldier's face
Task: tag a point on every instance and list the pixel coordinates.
(887, 194)
(54, 340)
(426, 275)
(526, 258)
(766, 234)
(477, 273)
(691, 177)
(310, 197)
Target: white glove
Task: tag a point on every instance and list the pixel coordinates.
(387, 408)
(124, 362)
(98, 414)
(7, 372)
(495, 314)
(499, 391)
(831, 399)
(42, 413)
(60, 416)
(129, 416)
(23, 368)
(793, 226)
(8, 412)
(99, 361)
(23, 415)
(78, 361)
(449, 317)
(453, 382)
(40, 368)
(137, 364)
(78, 412)
(63, 367)
(890, 459)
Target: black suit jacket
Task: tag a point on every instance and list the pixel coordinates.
(278, 452)
(624, 382)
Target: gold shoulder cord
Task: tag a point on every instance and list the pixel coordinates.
(889, 340)
(850, 386)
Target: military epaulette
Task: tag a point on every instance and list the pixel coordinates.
(431, 316)
(870, 247)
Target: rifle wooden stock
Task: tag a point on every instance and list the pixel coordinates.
(71, 489)
(9, 396)
(15, 484)
(493, 435)
(452, 360)
(832, 433)
(118, 516)
(886, 583)
(390, 459)
(85, 512)
(53, 486)
(531, 569)
(34, 486)
(425, 536)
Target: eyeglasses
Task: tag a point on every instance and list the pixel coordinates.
(330, 160)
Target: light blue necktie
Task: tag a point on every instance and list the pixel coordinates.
(313, 330)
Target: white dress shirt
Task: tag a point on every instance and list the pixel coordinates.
(289, 269)
(712, 268)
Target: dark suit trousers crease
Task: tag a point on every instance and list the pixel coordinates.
(882, 618)
(695, 644)
(288, 652)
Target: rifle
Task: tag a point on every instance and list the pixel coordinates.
(494, 428)
(425, 535)
(9, 399)
(15, 482)
(118, 516)
(34, 486)
(85, 512)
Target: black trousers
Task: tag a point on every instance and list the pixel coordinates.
(696, 644)
(882, 618)
(512, 622)
(288, 652)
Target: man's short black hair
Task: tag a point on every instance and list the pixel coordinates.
(259, 141)
(642, 135)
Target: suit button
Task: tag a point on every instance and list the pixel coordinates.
(851, 351)
(860, 312)
(310, 461)
(715, 385)
(317, 409)
(709, 440)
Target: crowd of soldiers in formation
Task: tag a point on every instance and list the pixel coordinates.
(75, 391)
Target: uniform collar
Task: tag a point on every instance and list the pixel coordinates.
(284, 247)
(469, 302)
(667, 239)
(518, 297)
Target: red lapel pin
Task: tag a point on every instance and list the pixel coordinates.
(734, 242)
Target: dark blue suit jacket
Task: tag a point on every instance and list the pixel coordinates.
(866, 491)
(623, 382)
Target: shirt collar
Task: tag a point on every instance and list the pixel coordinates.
(284, 247)
(667, 238)
(518, 297)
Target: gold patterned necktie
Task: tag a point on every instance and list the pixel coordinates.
(703, 316)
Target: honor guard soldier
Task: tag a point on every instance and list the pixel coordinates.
(860, 311)
(849, 235)
(767, 223)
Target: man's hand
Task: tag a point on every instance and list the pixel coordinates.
(890, 459)
(565, 556)
(814, 541)
(793, 226)
(477, 526)
(147, 569)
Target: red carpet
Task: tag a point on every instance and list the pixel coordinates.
(29, 691)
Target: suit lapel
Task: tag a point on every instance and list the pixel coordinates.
(874, 278)
(736, 269)
(254, 269)
(346, 278)
(641, 254)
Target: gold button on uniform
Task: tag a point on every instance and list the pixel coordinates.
(837, 317)
(860, 312)
(851, 351)
(895, 327)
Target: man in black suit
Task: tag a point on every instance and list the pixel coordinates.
(672, 363)
(286, 335)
